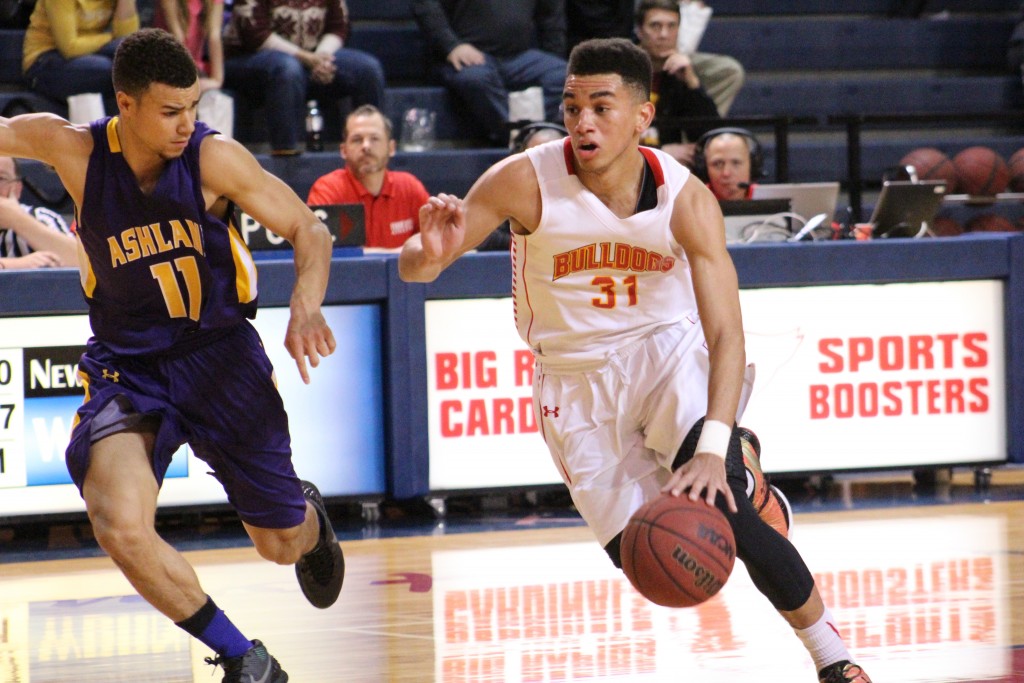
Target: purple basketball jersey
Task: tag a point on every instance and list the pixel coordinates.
(162, 272)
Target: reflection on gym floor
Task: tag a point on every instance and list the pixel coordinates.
(921, 593)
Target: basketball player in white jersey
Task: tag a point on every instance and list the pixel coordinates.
(625, 292)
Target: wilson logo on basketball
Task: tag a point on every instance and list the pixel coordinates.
(703, 578)
(718, 540)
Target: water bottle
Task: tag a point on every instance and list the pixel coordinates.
(314, 128)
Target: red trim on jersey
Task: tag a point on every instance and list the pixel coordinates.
(529, 306)
(655, 164)
(567, 151)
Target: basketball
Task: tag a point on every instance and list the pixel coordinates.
(989, 222)
(981, 171)
(1017, 171)
(677, 552)
(931, 164)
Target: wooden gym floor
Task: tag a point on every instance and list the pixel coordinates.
(926, 584)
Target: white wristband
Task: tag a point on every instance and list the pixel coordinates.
(714, 438)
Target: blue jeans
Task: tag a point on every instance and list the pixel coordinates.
(283, 84)
(58, 78)
(484, 88)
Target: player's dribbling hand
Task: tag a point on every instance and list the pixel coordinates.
(308, 336)
(442, 226)
(705, 472)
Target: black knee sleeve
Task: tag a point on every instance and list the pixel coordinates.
(614, 550)
(774, 565)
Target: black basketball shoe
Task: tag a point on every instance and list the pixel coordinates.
(321, 571)
(843, 672)
(255, 666)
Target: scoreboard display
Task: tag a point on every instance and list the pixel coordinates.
(39, 393)
(40, 390)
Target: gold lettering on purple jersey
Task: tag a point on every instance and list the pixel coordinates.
(131, 246)
(197, 235)
(145, 241)
(117, 257)
(162, 244)
(179, 235)
(153, 239)
(609, 256)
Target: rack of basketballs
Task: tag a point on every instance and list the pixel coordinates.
(984, 191)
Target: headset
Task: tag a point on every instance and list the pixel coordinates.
(522, 136)
(700, 166)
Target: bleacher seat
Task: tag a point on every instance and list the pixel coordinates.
(879, 94)
(15, 97)
(400, 48)
(784, 43)
(362, 10)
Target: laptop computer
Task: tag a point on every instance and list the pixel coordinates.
(754, 220)
(347, 223)
(906, 208)
(807, 199)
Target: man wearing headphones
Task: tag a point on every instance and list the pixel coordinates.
(729, 160)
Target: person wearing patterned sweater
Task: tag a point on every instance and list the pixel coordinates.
(281, 53)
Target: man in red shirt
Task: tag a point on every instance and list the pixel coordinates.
(391, 199)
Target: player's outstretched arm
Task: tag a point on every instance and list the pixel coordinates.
(449, 226)
(229, 170)
(698, 226)
(52, 140)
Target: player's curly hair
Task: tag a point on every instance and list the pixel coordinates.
(613, 56)
(152, 55)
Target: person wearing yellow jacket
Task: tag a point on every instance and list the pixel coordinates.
(69, 46)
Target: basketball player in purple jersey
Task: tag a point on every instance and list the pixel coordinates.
(173, 357)
(625, 292)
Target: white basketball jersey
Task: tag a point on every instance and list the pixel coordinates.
(586, 282)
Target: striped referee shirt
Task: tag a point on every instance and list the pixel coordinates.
(11, 245)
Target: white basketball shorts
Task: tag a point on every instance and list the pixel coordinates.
(614, 431)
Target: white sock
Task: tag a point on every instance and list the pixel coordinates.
(823, 642)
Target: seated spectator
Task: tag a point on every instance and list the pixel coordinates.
(69, 46)
(729, 160)
(675, 88)
(484, 49)
(720, 75)
(587, 19)
(285, 52)
(391, 199)
(533, 134)
(198, 24)
(30, 236)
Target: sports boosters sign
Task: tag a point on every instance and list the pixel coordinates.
(848, 377)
